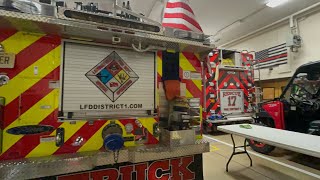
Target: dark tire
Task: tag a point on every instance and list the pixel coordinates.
(261, 147)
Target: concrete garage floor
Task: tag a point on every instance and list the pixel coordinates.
(280, 164)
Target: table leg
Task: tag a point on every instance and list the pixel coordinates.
(236, 153)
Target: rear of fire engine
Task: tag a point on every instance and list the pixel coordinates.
(88, 94)
(231, 95)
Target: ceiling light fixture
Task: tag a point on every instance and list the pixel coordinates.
(275, 3)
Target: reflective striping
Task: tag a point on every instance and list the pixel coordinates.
(148, 123)
(198, 84)
(48, 148)
(24, 80)
(28, 98)
(4, 34)
(185, 64)
(86, 132)
(28, 143)
(33, 116)
(32, 53)
(92, 143)
(159, 65)
(188, 94)
(24, 39)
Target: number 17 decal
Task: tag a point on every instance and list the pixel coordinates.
(232, 100)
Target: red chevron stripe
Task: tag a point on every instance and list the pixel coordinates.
(86, 132)
(180, 5)
(242, 86)
(29, 98)
(4, 34)
(33, 53)
(192, 88)
(221, 85)
(6, 25)
(193, 59)
(27, 143)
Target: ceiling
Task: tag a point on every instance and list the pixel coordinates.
(216, 15)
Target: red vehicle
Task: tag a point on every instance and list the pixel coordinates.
(297, 109)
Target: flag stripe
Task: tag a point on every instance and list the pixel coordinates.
(277, 47)
(180, 5)
(180, 21)
(270, 62)
(274, 57)
(185, 17)
(179, 10)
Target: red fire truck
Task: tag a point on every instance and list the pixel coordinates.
(230, 95)
(85, 95)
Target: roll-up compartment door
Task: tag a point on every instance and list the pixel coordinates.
(103, 82)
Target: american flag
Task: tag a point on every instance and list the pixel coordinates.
(274, 56)
(179, 15)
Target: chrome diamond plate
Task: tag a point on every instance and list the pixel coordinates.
(55, 165)
(71, 163)
(95, 32)
(149, 153)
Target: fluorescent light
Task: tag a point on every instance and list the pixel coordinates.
(275, 3)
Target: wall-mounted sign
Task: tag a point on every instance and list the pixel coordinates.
(7, 60)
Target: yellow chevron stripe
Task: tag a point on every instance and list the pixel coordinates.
(188, 94)
(33, 116)
(19, 41)
(95, 142)
(48, 148)
(185, 64)
(198, 56)
(27, 79)
(198, 83)
(159, 65)
(148, 123)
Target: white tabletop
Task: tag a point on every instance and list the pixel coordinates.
(298, 142)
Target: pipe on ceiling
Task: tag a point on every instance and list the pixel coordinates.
(281, 21)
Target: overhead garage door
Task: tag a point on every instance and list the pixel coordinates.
(102, 81)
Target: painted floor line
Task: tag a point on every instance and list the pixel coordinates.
(269, 159)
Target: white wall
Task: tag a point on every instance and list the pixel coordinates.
(310, 50)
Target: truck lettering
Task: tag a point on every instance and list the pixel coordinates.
(231, 94)
(110, 106)
(141, 170)
(109, 174)
(126, 172)
(177, 168)
(4, 60)
(180, 168)
(155, 167)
